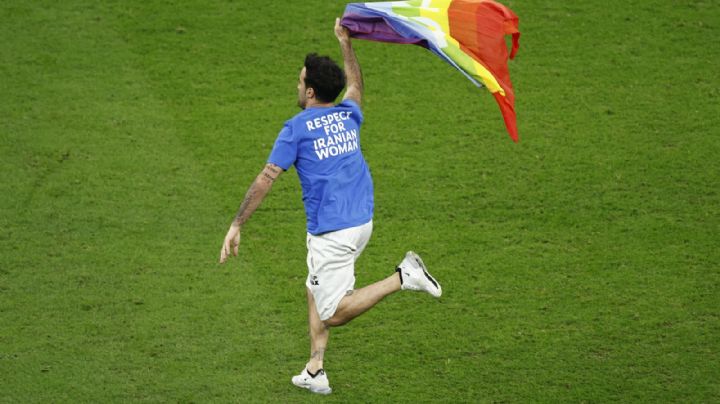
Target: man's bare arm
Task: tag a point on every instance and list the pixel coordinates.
(256, 193)
(253, 198)
(352, 67)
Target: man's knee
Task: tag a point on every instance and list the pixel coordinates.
(336, 320)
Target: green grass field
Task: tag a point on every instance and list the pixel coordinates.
(580, 265)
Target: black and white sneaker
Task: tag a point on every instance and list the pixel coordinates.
(414, 276)
(317, 383)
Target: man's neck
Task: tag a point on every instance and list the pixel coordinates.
(315, 104)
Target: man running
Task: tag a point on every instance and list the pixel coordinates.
(323, 142)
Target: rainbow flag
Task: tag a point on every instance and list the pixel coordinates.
(468, 34)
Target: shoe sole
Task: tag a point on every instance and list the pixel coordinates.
(316, 390)
(323, 391)
(426, 273)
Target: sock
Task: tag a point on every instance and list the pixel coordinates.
(399, 273)
(316, 373)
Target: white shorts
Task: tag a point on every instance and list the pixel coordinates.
(331, 265)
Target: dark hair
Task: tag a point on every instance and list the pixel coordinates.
(324, 76)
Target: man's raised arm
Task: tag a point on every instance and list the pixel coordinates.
(352, 67)
(253, 198)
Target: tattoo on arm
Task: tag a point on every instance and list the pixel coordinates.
(270, 173)
(244, 205)
(268, 178)
(254, 196)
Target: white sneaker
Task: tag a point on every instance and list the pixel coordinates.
(317, 384)
(414, 276)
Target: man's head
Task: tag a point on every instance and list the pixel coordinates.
(321, 81)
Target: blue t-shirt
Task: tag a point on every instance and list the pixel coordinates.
(324, 145)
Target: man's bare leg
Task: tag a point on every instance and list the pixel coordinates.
(319, 335)
(361, 300)
(351, 306)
